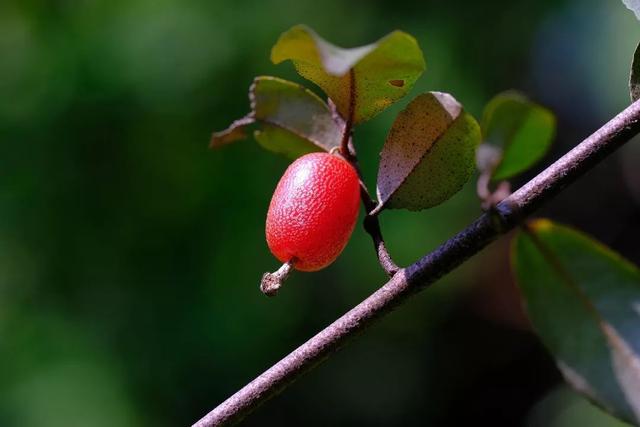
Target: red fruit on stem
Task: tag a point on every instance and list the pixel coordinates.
(313, 211)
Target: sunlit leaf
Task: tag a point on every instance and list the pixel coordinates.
(520, 129)
(634, 78)
(584, 301)
(428, 154)
(361, 81)
(634, 6)
(292, 120)
(282, 141)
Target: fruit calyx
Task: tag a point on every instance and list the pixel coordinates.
(271, 282)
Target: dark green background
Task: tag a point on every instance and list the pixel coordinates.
(130, 254)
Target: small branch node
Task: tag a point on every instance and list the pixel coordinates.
(490, 198)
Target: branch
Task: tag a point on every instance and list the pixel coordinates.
(408, 281)
(348, 151)
(372, 225)
(489, 198)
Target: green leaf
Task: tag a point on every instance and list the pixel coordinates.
(634, 6)
(281, 141)
(429, 153)
(634, 78)
(292, 120)
(362, 81)
(520, 129)
(584, 301)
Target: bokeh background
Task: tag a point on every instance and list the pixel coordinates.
(130, 254)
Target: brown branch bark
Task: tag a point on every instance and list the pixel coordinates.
(408, 281)
(372, 225)
(348, 151)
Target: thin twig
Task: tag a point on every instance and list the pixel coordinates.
(431, 267)
(348, 151)
(345, 144)
(372, 225)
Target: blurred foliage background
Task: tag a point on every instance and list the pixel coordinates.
(130, 254)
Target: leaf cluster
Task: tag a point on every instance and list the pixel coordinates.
(429, 151)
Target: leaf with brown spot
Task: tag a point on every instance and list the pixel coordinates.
(362, 81)
(429, 153)
(292, 120)
(584, 301)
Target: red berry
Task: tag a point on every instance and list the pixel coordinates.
(313, 211)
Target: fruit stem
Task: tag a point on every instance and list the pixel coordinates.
(372, 224)
(348, 121)
(271, 282)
